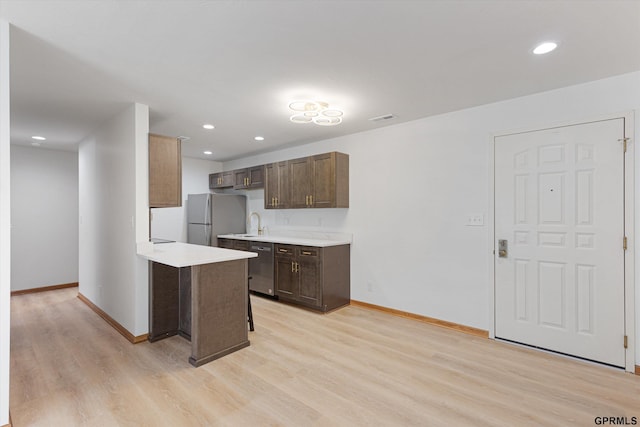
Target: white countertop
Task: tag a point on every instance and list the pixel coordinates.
(185, 254)
(291, 240)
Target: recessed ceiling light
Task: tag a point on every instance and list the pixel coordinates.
(39, 138)
(208, 153)
(545, 47)
(208, 126)
(259, 138)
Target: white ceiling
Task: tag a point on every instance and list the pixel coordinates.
(238, 64)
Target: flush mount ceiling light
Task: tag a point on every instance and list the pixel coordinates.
(317, 112)
(545, 47)
(38, 138)
(259, 138)
(208, 153)
(208, 126)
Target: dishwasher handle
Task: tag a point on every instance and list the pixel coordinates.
(261, 248)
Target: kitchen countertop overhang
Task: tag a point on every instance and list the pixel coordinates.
(184, 254)
(290, 240)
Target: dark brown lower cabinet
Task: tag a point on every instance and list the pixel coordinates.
(206, 304)
(239, 245)
(314, 277)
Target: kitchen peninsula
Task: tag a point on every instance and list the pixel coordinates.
(200, 293)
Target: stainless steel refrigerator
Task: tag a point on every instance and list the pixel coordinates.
(209, 215)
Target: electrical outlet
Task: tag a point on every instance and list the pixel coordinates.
(475, 220)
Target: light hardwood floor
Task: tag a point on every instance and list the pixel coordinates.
(352, 367)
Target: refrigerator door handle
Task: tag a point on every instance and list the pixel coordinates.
(207, 227)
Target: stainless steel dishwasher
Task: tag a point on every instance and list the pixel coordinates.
(261, 268)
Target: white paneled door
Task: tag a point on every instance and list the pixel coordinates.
(559, 206)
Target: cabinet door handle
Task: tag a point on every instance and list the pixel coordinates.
(292, 267)
(306, 253)
(277, 203)
(282, 250)
(311, 200)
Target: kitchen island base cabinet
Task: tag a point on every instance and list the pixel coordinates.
(219, 313)
(205, 303)
(314, 277)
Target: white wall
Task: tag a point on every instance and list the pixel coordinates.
(44, 212)
(113, 211)
(5, 223)
(412, 186)
(171, 223)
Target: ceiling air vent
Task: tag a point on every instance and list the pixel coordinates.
(381, 118)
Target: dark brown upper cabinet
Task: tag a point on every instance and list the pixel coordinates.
(320, 181)
(165, 171)
(276, 185)
(300, 182)
(248, 178)
(221, 180)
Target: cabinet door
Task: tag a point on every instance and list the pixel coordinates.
(299, 180)
(240, 177)
(276, 186)
(227, 179)
(285, 277)
(225, 243)
(165, 172)
(221, 180)
(270, 185)
(255, 177)
(213, 180)
(241, 245)
(284, 196)
(309, 276)
(323, 187)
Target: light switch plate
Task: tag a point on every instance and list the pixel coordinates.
(475, 220)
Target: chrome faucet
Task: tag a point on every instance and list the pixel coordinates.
(260, 229)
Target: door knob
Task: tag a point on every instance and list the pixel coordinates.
(502, 248)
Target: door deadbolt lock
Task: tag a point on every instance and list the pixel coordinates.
(502, 248)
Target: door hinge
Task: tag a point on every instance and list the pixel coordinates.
(626, 343)
(624, 243)
(624, 143)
